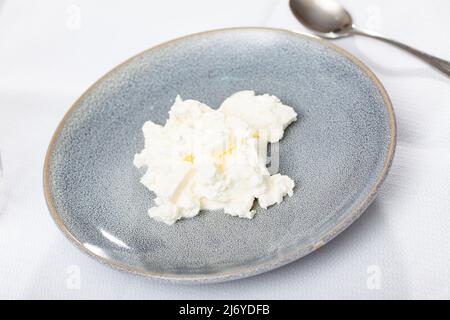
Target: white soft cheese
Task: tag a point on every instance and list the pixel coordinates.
(215, 159)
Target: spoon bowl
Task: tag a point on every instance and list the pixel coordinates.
(326, 17)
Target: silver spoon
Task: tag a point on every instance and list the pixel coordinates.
(330, 20)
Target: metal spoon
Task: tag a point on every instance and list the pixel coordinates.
(330, 20)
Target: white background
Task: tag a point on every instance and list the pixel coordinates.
(51, 51)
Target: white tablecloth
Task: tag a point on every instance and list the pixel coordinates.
(51, 51)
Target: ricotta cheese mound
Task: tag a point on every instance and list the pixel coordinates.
(210, 159)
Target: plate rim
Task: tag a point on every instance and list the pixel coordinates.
(258, 268)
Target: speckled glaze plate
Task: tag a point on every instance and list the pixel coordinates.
(338, 153)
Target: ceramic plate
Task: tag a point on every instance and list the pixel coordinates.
(338, 153)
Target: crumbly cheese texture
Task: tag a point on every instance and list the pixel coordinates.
(206, 159)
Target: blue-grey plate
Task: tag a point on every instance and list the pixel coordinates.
(338, 153)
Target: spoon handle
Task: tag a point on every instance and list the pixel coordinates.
(440, 64)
